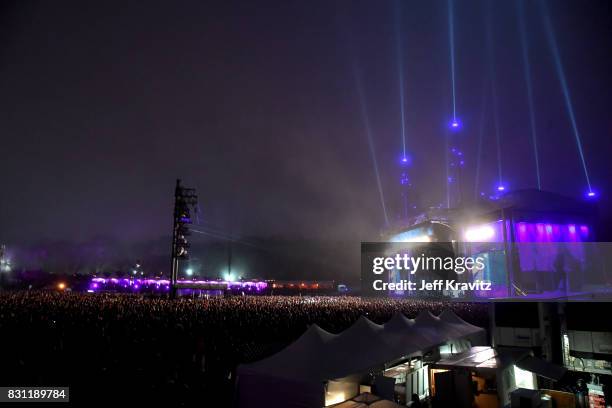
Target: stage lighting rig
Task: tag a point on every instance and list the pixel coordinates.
(185, 200)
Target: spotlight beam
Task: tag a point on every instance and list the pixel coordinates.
(497, 133)
(493, 76)
(368, 131)
(481, 131)
(451, 40)
(552, 42)
(400, 70)
(527, 72)
(365, 118)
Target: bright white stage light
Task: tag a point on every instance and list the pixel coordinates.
(481, 233)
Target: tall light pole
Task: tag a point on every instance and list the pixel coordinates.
(184, 200)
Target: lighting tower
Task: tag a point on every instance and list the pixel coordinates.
(5, 264)
(455, 164)
(184, 200)
(405, 186)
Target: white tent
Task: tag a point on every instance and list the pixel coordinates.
(296, 376)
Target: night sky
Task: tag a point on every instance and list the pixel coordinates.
(256, 104)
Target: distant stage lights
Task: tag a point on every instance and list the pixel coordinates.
(501, 188)
(455, 124)
(591, 195)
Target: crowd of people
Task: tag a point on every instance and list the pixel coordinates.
(129, 347)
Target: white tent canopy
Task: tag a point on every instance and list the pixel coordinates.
(295, 376)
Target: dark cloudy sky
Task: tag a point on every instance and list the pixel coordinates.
(104, 103)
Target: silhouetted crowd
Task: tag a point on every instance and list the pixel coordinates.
(118, 347)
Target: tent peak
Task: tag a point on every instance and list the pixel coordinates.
(317, 330)
(362, 326)
(399, 321)
(425, 316)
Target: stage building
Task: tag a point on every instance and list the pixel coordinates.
(533, 243)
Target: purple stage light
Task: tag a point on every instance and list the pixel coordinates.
(550, 232)
(501, 188)
(405, 159)
(591, 194)
(530, 232)
(455, 124)
(143, 284)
